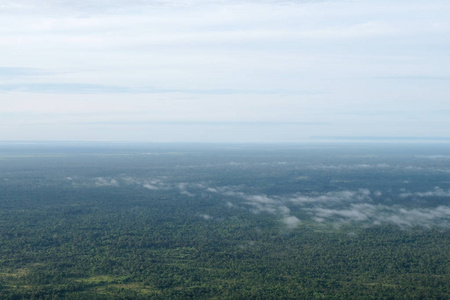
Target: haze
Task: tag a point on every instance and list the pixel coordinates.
(223, 71)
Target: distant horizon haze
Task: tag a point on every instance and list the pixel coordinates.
(223, 71)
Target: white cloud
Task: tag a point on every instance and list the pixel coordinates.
(150, 187)
(206, 217)
(332, 207)
(262, 199)
(436, 192)
(342, 207)
(350, 166)
(182, 186)
(101, 181)
(291, 221)
(383, 214)
(283, 61)
(333, 197)
(258, 203)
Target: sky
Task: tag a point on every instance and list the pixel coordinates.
(223, 71)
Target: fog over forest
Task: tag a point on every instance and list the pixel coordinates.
(303, 221)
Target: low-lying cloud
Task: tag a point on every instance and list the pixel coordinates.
(330, 197)
(291, 221)
(382, 214)
(101, 181)
(350, 166)
(342, 207)
(436, 192)
(258, 203)
(333, 207)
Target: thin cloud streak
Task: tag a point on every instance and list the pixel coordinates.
(86, 88)
(382, 214)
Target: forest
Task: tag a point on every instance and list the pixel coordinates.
(168, 221)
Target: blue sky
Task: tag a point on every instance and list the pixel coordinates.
(223, 71)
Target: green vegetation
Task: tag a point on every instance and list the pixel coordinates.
(85, 238)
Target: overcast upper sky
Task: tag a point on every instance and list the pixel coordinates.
(223, 71)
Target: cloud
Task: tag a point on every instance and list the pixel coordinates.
(273, 205)
(261, 199)
(434, 157)
(9, 72)
(382, 214)
(387, 166)
(436, 192)
(206, 217)
(258, 203)
(101, 181)
(201, 60)
(356, 212)
(64, 88)
(350, 166)
(340, 207)
(182, 186)
(87, 88)
(150, 187)
(291, 221)
(333, 197)
(229, 204)
(150, 184)
(427, 217)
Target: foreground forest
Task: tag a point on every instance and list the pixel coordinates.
(224, 222)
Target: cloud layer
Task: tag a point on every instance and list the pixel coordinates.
(343, 207)
(343, 68)
(360, 206)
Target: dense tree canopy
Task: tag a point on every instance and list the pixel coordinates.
(119, 224)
